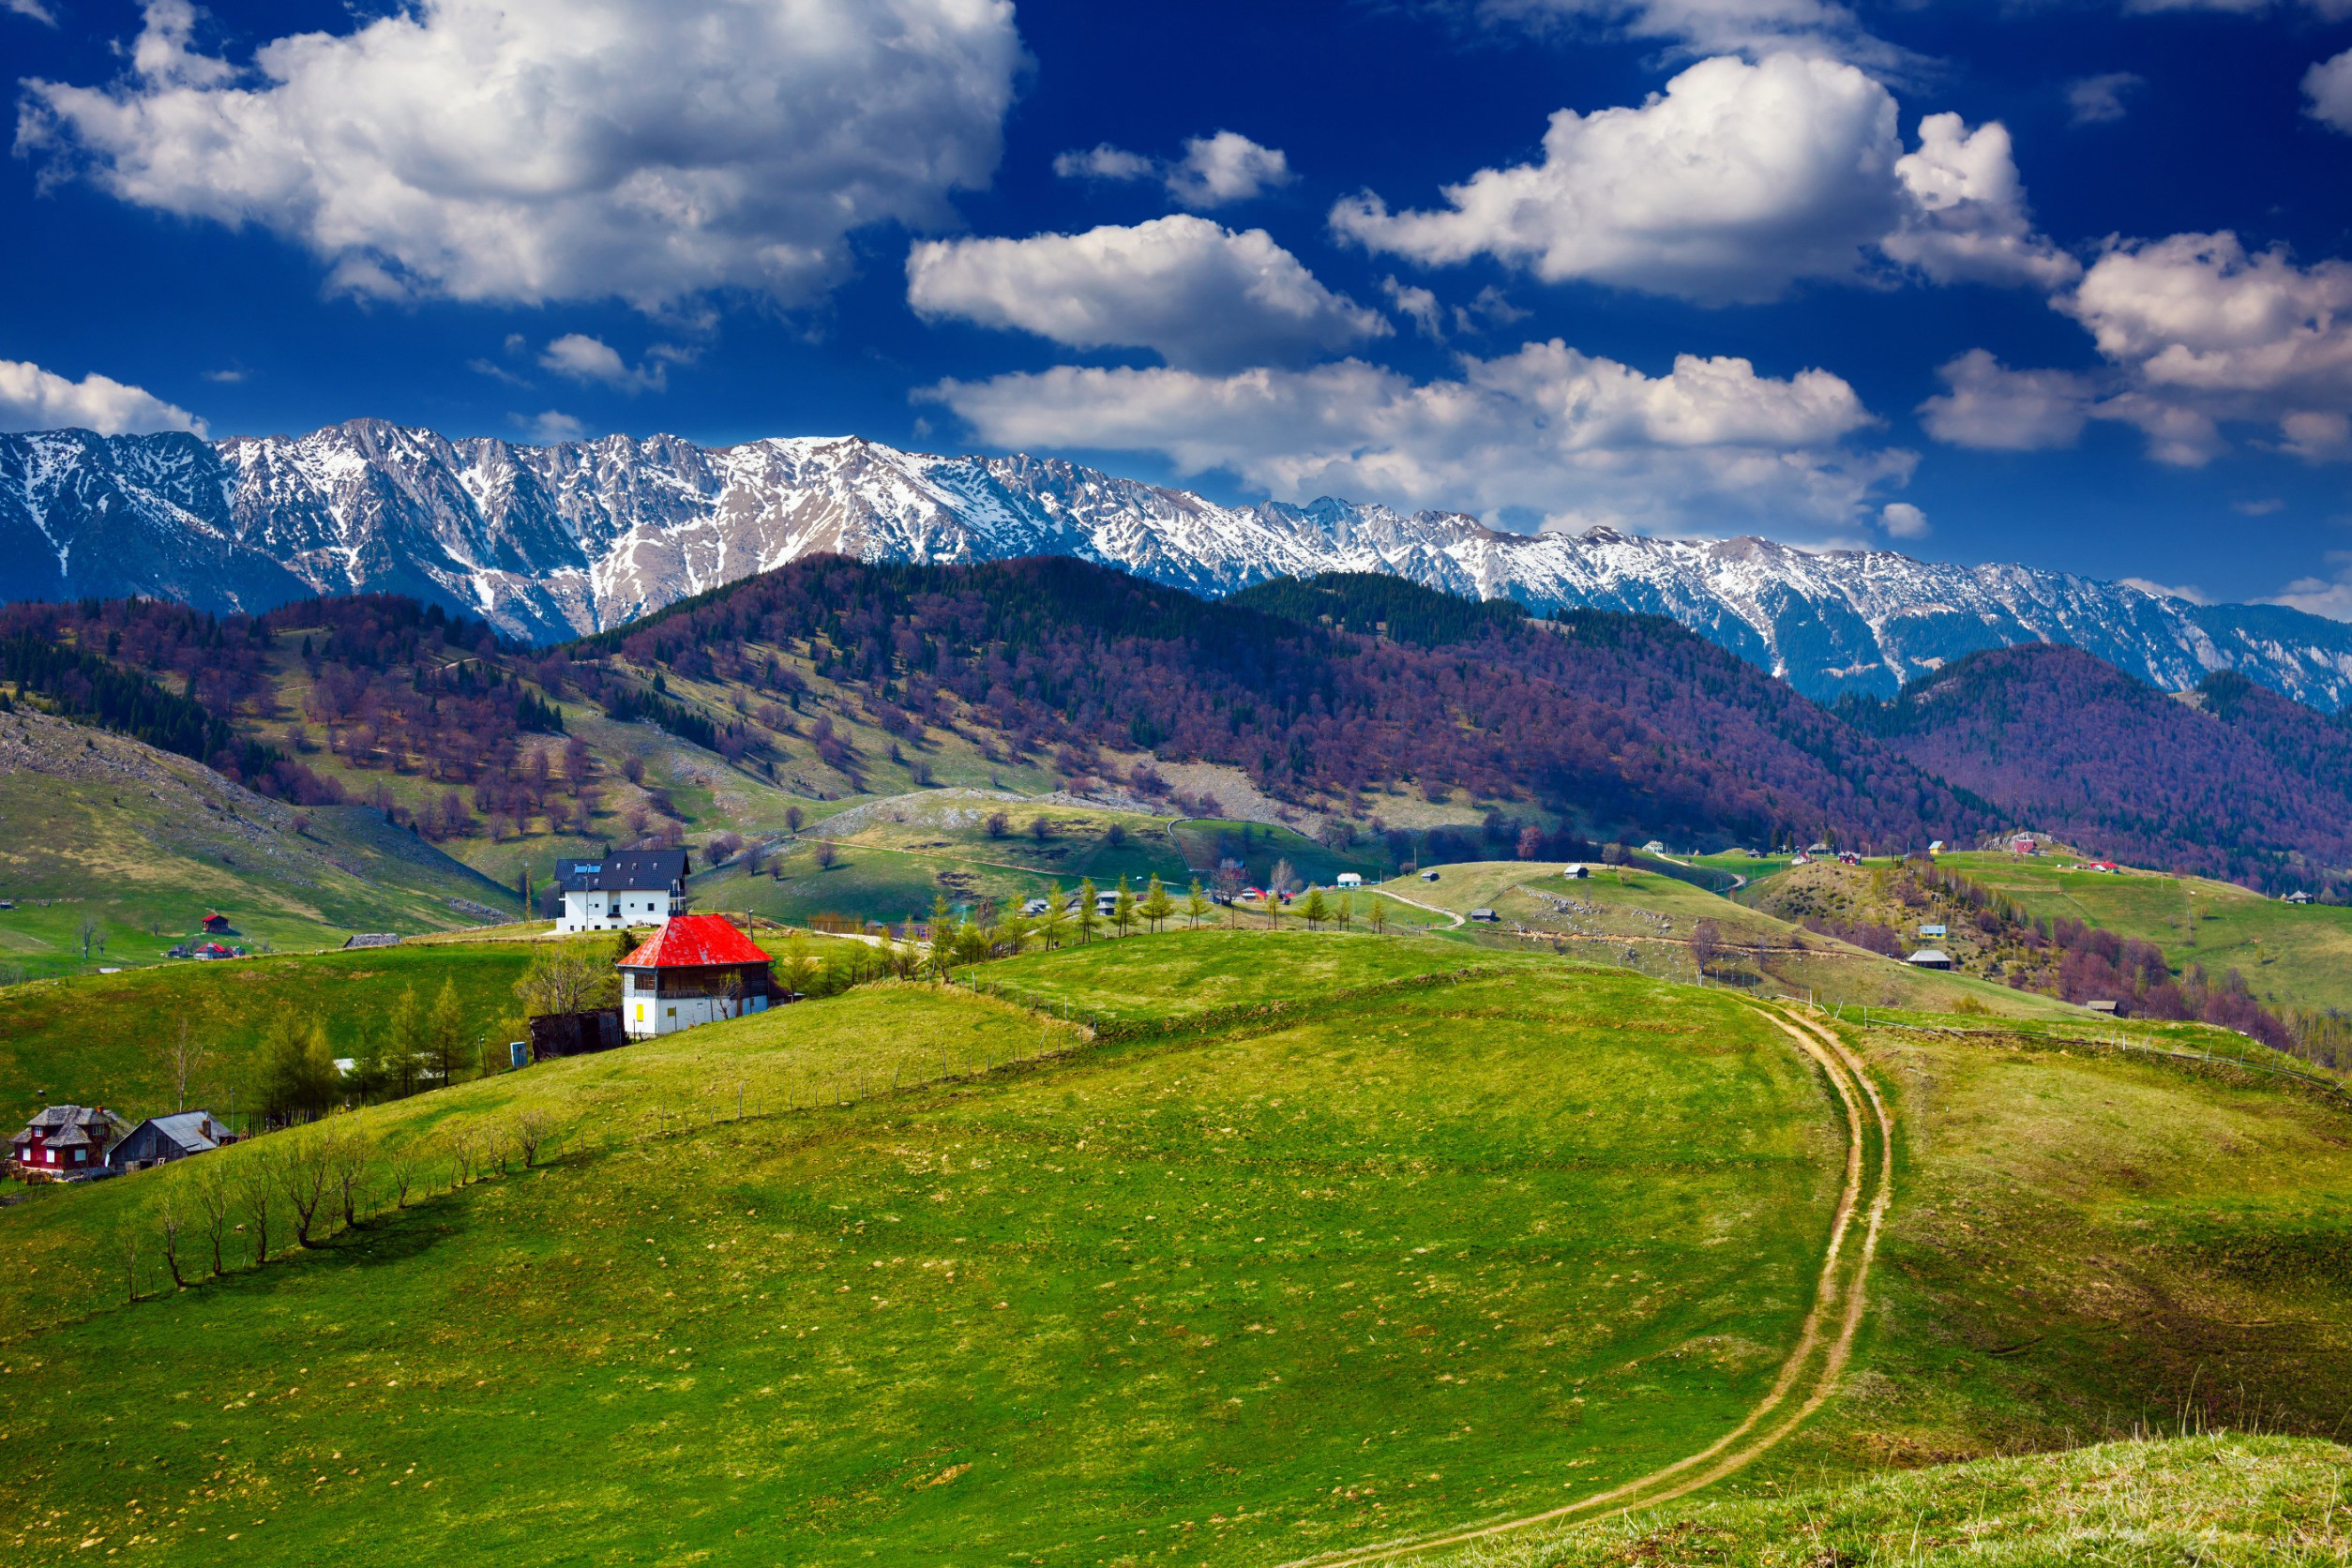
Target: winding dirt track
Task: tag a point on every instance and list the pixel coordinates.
(1812, 1371)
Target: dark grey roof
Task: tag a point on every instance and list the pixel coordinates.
(372, 939)
(191, 1131)
(631, 869)
(60, 1125)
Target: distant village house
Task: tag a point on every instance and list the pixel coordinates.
(641, 887)
(160, 1139)
(65, 1142)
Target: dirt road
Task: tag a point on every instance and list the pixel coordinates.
(1824, 1346)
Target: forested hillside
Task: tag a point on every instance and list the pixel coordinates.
(2229, 780)
(1359, 698)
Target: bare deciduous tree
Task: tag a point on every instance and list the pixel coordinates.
(564, 978)
(533, 1128)
(403, 1168)
(305, 1162)
(169, 1220)
(256, 1189)
(212, 1192)
(181, 1056)
(349, 1156)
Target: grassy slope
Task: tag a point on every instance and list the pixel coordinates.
(93, 1040)
(149, 842)
(897, 853)
(2300, 955)
(1646, 919)
(1185, 974)
(2088, 1244)
(2219, 1501)
(1234, 1299)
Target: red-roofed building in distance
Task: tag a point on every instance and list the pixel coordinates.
(696, 969)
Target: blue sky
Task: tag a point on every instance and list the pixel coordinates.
(2069, 283)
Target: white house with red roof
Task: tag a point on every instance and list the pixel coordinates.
(696, 969)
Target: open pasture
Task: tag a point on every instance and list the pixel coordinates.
(1229, 1300)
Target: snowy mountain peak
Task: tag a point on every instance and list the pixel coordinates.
(549, 542)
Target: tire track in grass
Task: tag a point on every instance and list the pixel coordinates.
(1824, 1347)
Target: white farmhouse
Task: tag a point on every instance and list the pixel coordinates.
(697, 968)
(642, 887)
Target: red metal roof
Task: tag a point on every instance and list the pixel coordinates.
(690, 941)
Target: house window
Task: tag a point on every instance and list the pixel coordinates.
(81, 1155)
(673, 1011)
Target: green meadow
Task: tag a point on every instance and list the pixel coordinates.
(2301, 955)
(100, 1040)
(1323, 1240)
(1227, 1299)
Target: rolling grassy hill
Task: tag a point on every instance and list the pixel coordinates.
(2300, 954)
(97, 1040)
(1185, 1295)
(1341, 1240)
(892, 856)
(2219, 1501)
(146, 843)
(1646, 919)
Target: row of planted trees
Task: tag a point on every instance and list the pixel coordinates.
(281, 1193)
(983, 933)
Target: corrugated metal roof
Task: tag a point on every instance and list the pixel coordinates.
(690, 941)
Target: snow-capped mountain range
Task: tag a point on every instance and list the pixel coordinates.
(548, 542)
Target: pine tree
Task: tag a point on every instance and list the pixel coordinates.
(1316, 910)
(943, 935)
(1088, 898)
(444, 1033)
(1049, 924)
(1156, 906)
(1197, 904)
(1123, 907)
(405, 1043)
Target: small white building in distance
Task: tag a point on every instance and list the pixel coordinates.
(1349, 879)
(641, 887)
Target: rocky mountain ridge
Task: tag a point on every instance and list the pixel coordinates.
(552, 542)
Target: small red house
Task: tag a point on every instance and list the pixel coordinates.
(696, 969)
(215, 925)
(65, 1141)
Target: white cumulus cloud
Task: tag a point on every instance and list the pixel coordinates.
(1216, 170)
(32, 398)
(1994, 408)
(1966, 221)
(2197, 335)
(1547, 430)
(580, 357)
(2331, 596)
(1737, 182)
(1902, 520)
(2202, 332)
(1747, 27)
(534, 150)
(2327, 88)
(1195, 292)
